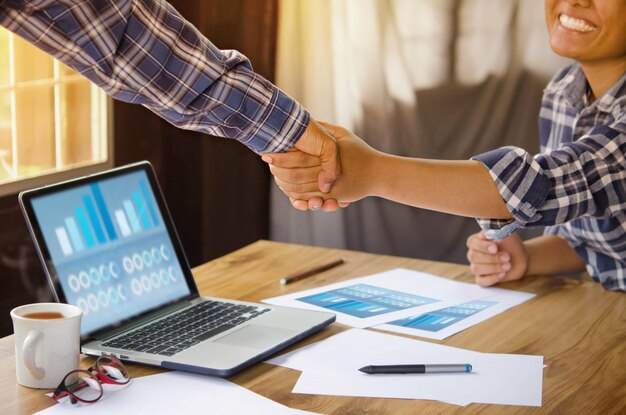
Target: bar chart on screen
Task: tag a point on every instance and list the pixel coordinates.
(93, 223)
(110, 246)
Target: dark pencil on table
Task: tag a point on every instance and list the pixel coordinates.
(310, 272)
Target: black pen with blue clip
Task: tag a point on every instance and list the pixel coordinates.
(434, 368)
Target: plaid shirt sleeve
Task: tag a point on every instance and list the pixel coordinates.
(145, 52)
(582, 178)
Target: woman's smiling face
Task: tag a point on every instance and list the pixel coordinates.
(589, 31)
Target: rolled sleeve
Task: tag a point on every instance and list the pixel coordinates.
(584, 178)
(523, 186)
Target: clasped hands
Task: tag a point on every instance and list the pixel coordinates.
(328, 168)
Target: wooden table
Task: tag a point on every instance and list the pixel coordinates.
(578, 327)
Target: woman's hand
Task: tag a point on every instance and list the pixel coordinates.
(493, 262)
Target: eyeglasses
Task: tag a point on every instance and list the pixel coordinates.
(85, 385)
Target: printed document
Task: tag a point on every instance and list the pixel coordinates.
(407, 301)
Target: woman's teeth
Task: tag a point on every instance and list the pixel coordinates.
(576, 24)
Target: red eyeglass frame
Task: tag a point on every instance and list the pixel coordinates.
(99, 377)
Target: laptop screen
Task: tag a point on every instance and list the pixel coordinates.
(107, 247)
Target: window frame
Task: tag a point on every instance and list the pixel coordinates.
(59, 172)
(15, 186)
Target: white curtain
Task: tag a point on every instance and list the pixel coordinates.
(440, 79)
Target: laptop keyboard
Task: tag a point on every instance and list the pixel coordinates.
(183, 330)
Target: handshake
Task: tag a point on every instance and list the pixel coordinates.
(328, 168)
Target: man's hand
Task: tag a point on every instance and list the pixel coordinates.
(315, 154)
(317, 141)
(493, 262)
(296, 173)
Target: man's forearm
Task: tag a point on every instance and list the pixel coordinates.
(145, 53)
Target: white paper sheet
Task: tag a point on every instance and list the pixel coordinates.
(330, 367)
(177, 393)
(401, 294)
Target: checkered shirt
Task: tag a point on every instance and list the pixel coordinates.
(576, 186)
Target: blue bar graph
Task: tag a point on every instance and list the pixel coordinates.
(362, 300)
(141, 209)
(104, 212)
(84, 227)
(146, 195)
(93, 217)
(440, 319)
(96, 220)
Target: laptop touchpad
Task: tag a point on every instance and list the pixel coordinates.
(255, 336)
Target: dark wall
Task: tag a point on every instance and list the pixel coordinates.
(216, 189)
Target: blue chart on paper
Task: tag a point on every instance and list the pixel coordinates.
(362, 300)
(440, 319)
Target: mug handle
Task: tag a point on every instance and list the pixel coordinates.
(28, 354)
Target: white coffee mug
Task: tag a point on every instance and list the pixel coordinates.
(47, 343)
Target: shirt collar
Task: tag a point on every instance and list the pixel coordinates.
(573, 87)
(616, 95)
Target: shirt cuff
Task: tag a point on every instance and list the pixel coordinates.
(522, 185)
(280, 127)
(498, 229)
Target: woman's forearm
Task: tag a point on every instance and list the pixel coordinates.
(459, 187)
(552, 255)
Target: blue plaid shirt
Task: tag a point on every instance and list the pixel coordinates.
(576, 186)
(144, 52)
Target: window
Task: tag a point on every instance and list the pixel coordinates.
(53, 121)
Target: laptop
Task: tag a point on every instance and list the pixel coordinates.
(108, 245)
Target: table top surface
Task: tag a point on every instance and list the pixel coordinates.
(577, 326)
